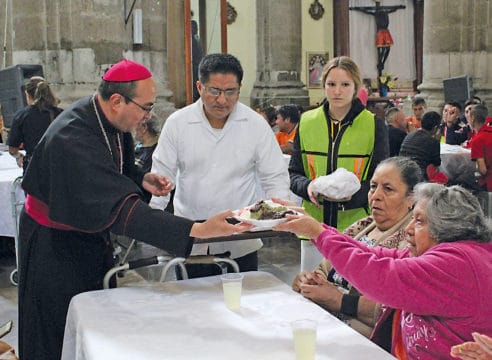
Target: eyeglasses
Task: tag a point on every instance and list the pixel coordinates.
(228, 93)
(147, 109)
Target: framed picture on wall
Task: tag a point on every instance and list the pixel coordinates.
(315, 62)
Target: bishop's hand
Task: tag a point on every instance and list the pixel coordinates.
(157, 185)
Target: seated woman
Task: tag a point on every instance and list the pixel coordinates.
(390, 198)
(441, 282)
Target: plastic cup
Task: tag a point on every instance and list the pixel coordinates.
(232, 284)
(304, 331)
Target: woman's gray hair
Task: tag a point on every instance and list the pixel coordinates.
(453, 213)
(410, 172)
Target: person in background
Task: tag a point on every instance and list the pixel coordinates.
(454, 131)
(30, 123)
(465, 118)
(269, 112)
(217, 151)
(82, 185)
(339, 133)
(391, 202)
(422, 145)
(449, 252)
(287, 120)
(419, 107)
(481, 145)
(397, 129)
(146, 136)
(196, 56)
(480, 349)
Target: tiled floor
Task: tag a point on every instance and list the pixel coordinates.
(279, 256)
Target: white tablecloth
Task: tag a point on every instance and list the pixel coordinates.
(188, 320)
(9, 171)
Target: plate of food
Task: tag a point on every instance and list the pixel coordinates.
(264, 214)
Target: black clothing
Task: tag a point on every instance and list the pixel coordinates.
(28, 126)
(248, 262)
(422, 148)
(143, 161)
(395, 138)
(456, 134)
(143, 157)
(74, 174)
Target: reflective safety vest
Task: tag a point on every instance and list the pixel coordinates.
(352, 149)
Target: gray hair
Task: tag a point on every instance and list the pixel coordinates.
(153, 125)
(453, 213)
(390, 114)
(410, 172)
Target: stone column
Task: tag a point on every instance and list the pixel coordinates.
(279, 54)
(76, 41)
(456, 42)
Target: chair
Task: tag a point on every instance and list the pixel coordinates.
(170, 262)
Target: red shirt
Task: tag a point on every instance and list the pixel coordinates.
(481, 147)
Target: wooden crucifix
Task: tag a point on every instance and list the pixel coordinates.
(384, 41)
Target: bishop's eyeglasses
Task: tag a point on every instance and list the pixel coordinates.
(146, 108)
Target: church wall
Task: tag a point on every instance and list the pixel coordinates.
(76, 40)
(317, 36)
(241, 42)
(457, 42)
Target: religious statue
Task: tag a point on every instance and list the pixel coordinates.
(384, 41)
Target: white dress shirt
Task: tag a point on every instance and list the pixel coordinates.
(219, 169)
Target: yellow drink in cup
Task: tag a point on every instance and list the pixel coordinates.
(232, 286)
(304, 339)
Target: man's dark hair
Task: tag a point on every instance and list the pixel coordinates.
(290, 111)
(125, 88)
(455, 104)
(418, 101)
(472, 101)
(219, 63)
(430, 120)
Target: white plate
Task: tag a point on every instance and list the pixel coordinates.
(260, 225)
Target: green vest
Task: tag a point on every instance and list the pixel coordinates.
(352, 149)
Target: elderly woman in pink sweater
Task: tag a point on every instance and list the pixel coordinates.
(441, 282)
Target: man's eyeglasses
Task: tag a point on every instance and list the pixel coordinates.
(228, 93)
(147, 109)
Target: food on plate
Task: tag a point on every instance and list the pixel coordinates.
(263, 210)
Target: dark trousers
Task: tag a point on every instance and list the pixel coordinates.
(247, 262)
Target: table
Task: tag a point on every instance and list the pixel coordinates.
(187, 319)
(9, 171)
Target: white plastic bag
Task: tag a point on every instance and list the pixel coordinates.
(340, 184)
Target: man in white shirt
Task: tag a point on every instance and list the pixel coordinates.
(220, 154)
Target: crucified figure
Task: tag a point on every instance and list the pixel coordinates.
(384, 41)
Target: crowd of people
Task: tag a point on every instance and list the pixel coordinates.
(405, 260)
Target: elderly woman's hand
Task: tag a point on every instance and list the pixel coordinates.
(304, 277)
(480, 349)
(7, 351)
(323, 293)
(303, 225)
